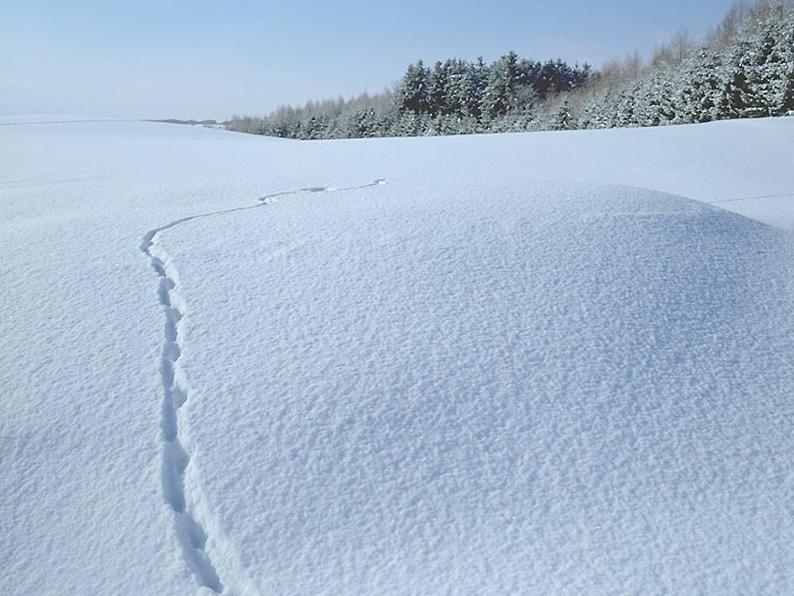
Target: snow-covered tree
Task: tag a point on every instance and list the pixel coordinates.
(474, 85)
(704, 82)
(563, 118)
(655, 99)
(439, 90)
(413, 94)
(501, 91)
(736, 95)
(787, 102)
(456, 89)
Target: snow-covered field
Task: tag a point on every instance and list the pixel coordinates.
(520, 364)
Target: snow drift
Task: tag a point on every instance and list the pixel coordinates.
(494, 389)
(510, 368)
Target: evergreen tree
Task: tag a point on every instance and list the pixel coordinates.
(770, 69)
(410, 124)
(627, 107)
(563, 118)
(606, 114)
(735, 96)
(315, 127)
(456, 87)
(501, 92)
(787, 44)
(700, 95)
(439, 89)
(654, 100)
(413, 94)
(787, 103)
(474, 85)
(367, 124)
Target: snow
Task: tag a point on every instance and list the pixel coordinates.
(529, 363)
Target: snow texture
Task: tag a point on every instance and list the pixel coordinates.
(536, 363)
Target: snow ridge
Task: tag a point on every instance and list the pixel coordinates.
(192, 534)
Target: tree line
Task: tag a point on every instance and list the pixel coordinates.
(743, 69)
(453, 96)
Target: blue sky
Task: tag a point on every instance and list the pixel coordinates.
(216, 58)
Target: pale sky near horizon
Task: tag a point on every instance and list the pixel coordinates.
(213, 59)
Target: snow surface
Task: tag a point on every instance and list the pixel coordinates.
(535, 363)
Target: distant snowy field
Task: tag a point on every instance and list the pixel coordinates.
(520, 364)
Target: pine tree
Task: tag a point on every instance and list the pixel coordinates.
(457, 87)
(439, 84)
(563, 118)
(627, 108)
(701, 92)
(410, 124)
(413, 94)
(787, 103)
(474, 84)
(601, 112)
(771, 67)
(764, 65)
(786, 106)
(501, 92)
(363, 123)
(735, 95)
(654, 105)
(315, 127)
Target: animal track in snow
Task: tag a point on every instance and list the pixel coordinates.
(191, 534)
(316, 189)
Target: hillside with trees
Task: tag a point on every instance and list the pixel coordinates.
(743, 69)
